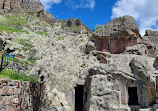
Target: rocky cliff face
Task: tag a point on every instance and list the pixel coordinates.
(30, 6)
(11, 5)
(150, 39)
(17, 5)
(75, 26)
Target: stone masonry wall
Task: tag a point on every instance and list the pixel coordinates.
(16, 96)
(115, 46)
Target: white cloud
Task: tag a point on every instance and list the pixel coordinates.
(145, 12)
(84, 4)
(47, 3)
(74, 3)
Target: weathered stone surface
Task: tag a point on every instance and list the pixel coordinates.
(113, 46)
(156, 63)
(13, 98)
(103, 57)
(117, 34)
(10, 5)
(139, 49)
(120, 73)
(75, 26)
(122, 27)
(16, 6)
(150, 39)
(145, 109)
(32, 4)
(155, 107)
(58, 100)
(45, 16)
(105, 43)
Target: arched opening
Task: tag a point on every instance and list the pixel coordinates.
(79, 98)
(133, 96)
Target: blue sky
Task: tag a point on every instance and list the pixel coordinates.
(92, 12)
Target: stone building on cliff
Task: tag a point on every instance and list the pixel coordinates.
(117, 34)
(124, 81)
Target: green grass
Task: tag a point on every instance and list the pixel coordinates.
(61, 37)
(4, 28)
(14, 75)
(42, 33)
(14, 20)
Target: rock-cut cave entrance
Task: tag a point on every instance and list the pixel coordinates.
(79, 97)
(133, 96)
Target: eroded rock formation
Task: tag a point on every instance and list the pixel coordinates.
(31, 6)
(112, 86)
(150, 39)
(75, 26)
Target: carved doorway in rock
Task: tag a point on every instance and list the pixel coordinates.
(79, 98)
(133, 96)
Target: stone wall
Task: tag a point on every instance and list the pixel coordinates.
(18, 96)
(115, 46)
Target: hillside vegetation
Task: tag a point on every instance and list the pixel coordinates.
(46, 49)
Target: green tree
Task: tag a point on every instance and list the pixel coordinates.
(97, 26)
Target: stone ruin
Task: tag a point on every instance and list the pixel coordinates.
(127, 77)
(117, 34)
(123, 87)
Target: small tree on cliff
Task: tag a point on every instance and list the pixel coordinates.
(97, 27)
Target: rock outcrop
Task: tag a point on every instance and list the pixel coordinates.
(122, 27)
(75, 26)
(11, 5)
(30, 6)
(109, 86)
(117, 34)
(150, 39)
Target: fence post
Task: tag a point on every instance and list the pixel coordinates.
(2, 62)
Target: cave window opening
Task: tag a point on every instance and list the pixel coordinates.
(133, 96)
(3, 6)
(79, 97)
(42, 78)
